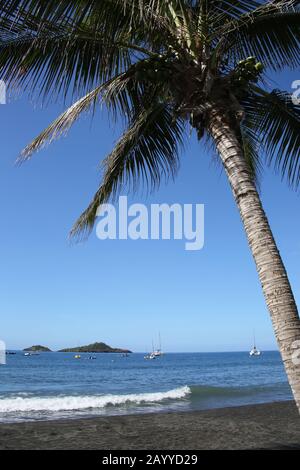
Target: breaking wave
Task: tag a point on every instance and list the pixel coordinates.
(92, 402)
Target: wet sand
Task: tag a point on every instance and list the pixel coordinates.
(267, 426)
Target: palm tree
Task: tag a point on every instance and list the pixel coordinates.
(163, 65)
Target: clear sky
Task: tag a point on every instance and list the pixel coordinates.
(125, 292)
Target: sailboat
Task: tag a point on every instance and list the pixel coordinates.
(254, 351)
(155, 352)
(31, 353)
(151, 355)
(158, 352)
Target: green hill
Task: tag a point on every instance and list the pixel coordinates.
(38, 347)
(95, 348)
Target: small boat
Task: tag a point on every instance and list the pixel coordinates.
(31, 353)
(158, 352)
(254, 351)
(77, 356)
(150, 356)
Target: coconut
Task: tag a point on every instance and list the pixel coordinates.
(259, 67)
(249, 65)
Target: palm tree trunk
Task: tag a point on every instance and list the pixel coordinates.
(272, 273)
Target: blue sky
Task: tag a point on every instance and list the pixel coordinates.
(125, 292)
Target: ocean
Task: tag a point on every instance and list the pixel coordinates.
(58, 386)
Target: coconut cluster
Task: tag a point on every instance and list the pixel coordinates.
(247, 70)
(154, 69)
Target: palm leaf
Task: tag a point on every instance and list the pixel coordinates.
(147, 151)
(216, 13)
(271, 33)
(62, 124)
(70, 48)
(59, 58)
(55, 65)
(124, 96)
(277, 123)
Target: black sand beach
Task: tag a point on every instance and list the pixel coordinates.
(266, 426)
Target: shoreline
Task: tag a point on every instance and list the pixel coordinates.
(263, 426)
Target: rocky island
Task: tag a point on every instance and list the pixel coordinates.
(96, 348)
(38, 348)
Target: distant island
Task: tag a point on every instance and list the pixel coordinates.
(38, 348)
(96, 348)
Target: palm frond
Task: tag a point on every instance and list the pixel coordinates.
(271, 33)
(62, 124)
(72, 47)
(58, 58)
(61, 65)
(277, 123)
(220, 12)
(148, 150)
(124, 96)
(67, 12)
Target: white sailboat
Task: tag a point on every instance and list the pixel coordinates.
(254, 351)
(158, 352)
(155, 352)
(151, 355)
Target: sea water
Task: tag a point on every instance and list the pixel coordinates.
(58, 386)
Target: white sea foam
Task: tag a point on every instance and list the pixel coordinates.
(68, 403)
